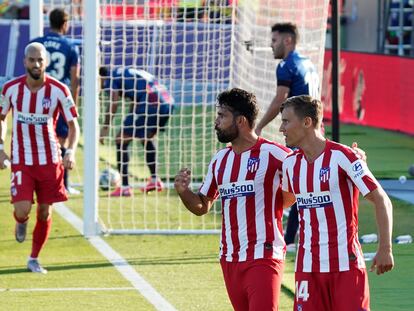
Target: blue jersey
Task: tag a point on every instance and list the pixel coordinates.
(140, 86)
(62, 55)
(298, 74)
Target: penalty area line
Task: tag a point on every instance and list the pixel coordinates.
(123, 267)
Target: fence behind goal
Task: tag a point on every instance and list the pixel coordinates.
(220, 45)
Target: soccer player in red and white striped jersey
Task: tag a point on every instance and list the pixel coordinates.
(247, 177)
(36, 100)
(326, 178)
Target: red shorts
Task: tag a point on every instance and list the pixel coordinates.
(335, 291)
(44, 180)
(253, 285)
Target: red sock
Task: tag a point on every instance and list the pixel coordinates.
(40, 235)
(20, 220)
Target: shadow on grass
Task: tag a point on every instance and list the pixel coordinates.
(29, 238)
(287, 291)
(58, 267)
(5, 199)
(106, 264)
(179, 260)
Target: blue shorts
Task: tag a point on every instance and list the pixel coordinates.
(62, 128)
(146, 124)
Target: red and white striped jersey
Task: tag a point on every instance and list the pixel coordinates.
(34, 140)
(326, 192)
(249, 185)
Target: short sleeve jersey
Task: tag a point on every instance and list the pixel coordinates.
(139, 86)
(249, 186)
(62, 56)
(326, 192)
(34, 140)
(298, 73)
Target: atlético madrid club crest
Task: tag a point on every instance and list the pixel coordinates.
(253, 164)
(324, 174)
(46, 103)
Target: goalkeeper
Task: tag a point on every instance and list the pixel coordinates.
(149, 112)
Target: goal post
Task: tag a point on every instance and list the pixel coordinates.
(196, 53)
(90, 122)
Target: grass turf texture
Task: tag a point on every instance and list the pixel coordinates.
(184, 269)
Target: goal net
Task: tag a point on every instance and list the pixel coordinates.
(196, 52)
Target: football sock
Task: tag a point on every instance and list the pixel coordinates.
(40, 235)
(150, 156)
(122, 159)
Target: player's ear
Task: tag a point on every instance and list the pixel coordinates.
(307, 121)
(287, 39)
(242, 120)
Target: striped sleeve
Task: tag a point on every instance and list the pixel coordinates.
(67, 105)
(209, 188)
(286, 186)
(358, 172)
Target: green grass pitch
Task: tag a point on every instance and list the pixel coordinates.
(183, 269)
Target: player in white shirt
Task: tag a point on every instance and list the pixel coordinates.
(36, 100)
(325, 178)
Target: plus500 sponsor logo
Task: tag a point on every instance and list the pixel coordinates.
(314, 199)
(32, 118)
(237, 189)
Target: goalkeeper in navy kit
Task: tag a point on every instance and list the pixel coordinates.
(150, 110)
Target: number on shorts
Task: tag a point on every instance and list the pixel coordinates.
(302, 291)
(16, 176)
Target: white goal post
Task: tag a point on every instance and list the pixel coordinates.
(196, 53)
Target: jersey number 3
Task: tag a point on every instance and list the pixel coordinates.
(57, 61)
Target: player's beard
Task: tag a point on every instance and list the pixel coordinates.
(227, 135)
(279, 51)
(33, 75)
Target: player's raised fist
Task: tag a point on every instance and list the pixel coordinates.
(182, 180)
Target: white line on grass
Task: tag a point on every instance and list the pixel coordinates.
(118, 261)
(67, 289)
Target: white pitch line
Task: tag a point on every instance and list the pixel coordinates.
(67, 289)
(129, 273)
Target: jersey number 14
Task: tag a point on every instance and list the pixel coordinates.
(302, 290)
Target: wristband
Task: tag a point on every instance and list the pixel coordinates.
(1, 147)
(68, 151)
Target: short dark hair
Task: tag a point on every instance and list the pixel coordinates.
(239, 102)
(103, 71)
(57, 18)
(305, 106)
(287, 28)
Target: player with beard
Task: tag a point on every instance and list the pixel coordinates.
(247, 177)
(64, 65)
(36, 163)
(295, 75)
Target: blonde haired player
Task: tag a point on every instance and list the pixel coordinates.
(325, 179)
